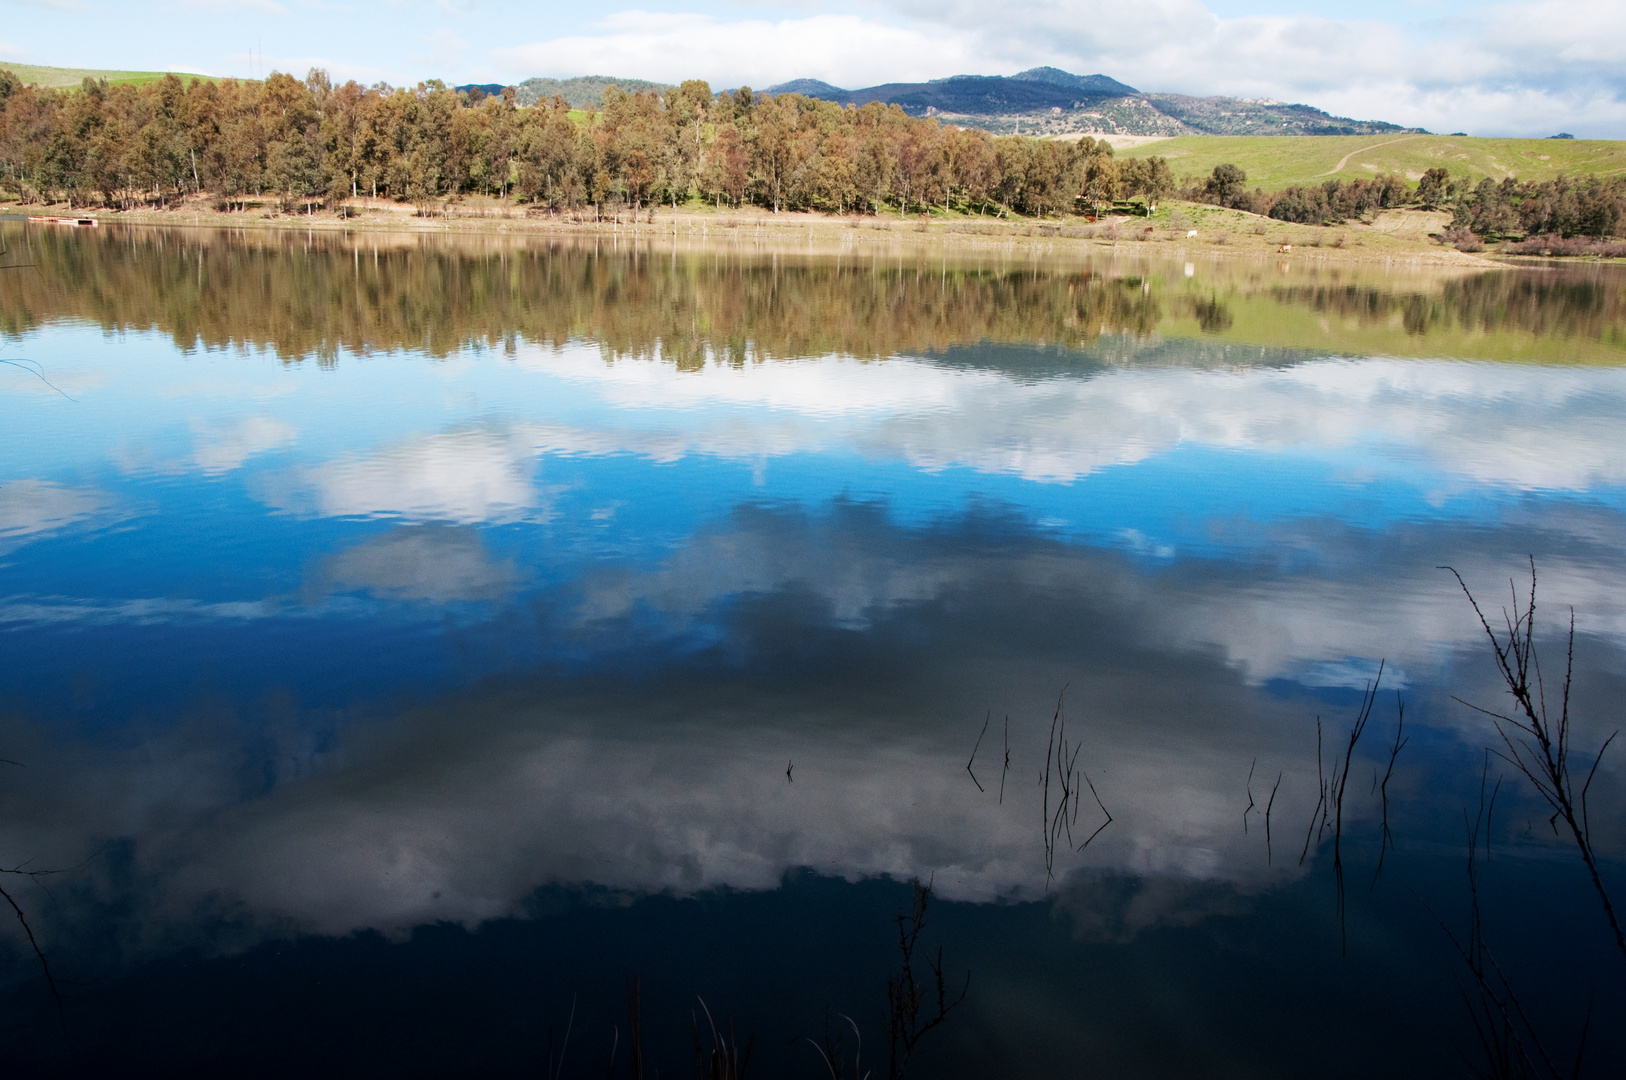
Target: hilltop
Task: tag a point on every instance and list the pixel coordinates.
(582, 92)
(1040, 101)
(60, 77)
(1049, 101)
(1276, 162)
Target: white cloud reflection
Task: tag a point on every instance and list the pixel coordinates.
(433, 563)
(34, 509)
(220, 448)
(1506, 426)
(460, 807)
(464, 476)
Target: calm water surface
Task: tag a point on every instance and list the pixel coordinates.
(405, 641)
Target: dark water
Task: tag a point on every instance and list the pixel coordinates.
(403, 643)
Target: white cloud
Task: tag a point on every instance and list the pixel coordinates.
(844, 49)
(444, 50)
(264, 7)
(54, 5)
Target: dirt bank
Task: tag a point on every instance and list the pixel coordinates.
(1177, 229)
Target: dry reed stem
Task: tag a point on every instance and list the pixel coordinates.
(1533, 741)
(1387, 839)
(1270, 805)
(977, 747)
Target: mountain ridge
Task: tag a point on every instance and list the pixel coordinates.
(1050, 101)
(1038, 101)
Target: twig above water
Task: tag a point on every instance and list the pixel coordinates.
(1534, 740)
(1269, 805)
(1368, 700)
(975, 748)
(1007, 766)
(39, 954)
(34, 368)
(1062, 759)
(1387, 839)
(1253, 765)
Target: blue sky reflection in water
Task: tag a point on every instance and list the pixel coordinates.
(413, 649)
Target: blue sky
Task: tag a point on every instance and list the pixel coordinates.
(1520, 68)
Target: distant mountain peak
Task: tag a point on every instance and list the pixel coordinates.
(1038, 101)
(1099, 85)
(581, 92)
(806, 87)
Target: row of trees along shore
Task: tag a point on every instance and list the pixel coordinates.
(309, 143)
(1564, 206)
(306, 142)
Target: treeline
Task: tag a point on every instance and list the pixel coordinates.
(1564, 207)
(308, 143)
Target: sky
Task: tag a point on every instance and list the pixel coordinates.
(1530, 68)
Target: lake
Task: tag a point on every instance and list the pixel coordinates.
(436, 655)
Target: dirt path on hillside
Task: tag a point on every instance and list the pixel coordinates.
(1338, 168)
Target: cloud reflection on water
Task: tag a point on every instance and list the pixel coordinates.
(639, 698)
(434, 563)
(34, 509)
(478, 475)
(664, 769)
(672, 776)
(1528, 427)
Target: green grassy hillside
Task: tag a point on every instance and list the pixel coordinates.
(1273, 162)
(64, 77)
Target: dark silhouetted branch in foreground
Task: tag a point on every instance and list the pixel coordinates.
(726, 1061)
(1319, 814)
(977, 747)
(1368, 699)
(1270, 804)
(1508, 1040)
(1007, 766)
(832, 1053)
(555, 1067)
(1251, 766)
(1387, 840)
(907, 995)
(1534, 741)
(39, 954)
(1061, 758)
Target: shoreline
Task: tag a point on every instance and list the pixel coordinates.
(1393, 237)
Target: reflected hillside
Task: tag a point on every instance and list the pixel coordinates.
(1501, 315)
(316, 296)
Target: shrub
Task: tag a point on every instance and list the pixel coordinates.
(1552, 244)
